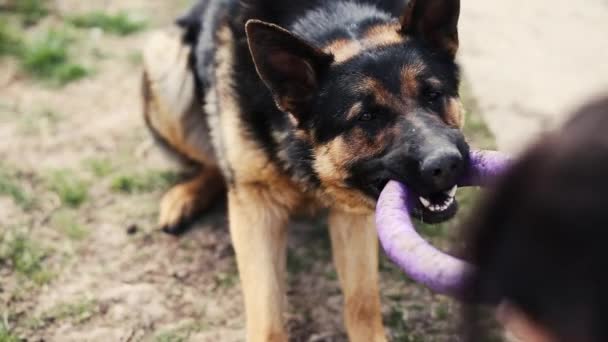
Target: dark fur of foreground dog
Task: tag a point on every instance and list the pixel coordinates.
(540, 240)
(290, 105)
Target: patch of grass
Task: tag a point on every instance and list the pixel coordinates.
(10, 41)
(32, 10)
(101, 168)
(442, 312)
(395, 320)
(66, 221)
(9, 186)
(144, 182)
(71, 189)
(225, 280)
(6, 335)
(24, 257)
(181, 333)
(47, 58)
(77, 312)
(121, 24)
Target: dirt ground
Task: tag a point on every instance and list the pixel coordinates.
(81, 258)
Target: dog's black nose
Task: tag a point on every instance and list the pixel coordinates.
(441, 168)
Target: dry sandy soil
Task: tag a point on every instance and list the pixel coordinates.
(95, 268)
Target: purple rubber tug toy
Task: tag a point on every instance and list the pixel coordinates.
(421, 261)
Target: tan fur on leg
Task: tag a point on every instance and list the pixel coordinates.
(185, 200)
(258, 230)
(355, 249)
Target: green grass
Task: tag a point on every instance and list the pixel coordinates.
(398, 327)
(11, 43)
(143, 182)
(24, 257)
(6, 335)
(9, 186)
(66, 221)
(180, 334)
(71, 189)
(100, 168)
(121, 24)
(77, 312)
(48, 58)
(32, 11)
(224, 280)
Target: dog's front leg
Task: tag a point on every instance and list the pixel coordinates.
(355, 250)
(258, 230)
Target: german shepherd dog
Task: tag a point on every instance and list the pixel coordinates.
(292, 105)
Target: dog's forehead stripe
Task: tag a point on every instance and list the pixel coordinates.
(380, 35)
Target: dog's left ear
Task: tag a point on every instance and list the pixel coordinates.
(289, 66)
(433, 21)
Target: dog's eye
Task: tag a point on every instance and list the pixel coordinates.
(432, 96)
(366, 117)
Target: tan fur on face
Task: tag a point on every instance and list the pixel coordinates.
(354, 111)
(382, 96)
(334, 160)
(409, 80)
(331, 165)
(377, 36)
(454, 113)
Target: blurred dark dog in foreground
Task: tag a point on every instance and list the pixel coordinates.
(541, 239)
(293, 105)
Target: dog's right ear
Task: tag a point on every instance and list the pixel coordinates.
(289, 66)
(433, 21)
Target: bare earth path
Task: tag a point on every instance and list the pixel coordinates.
(531, 62)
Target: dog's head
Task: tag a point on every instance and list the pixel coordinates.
(379, 107)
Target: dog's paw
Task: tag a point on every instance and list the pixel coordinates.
(178, 208)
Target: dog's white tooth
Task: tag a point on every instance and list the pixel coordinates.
(426, 203)
(452, 192)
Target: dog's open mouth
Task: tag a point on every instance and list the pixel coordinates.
(432, 208)
(437, 207)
